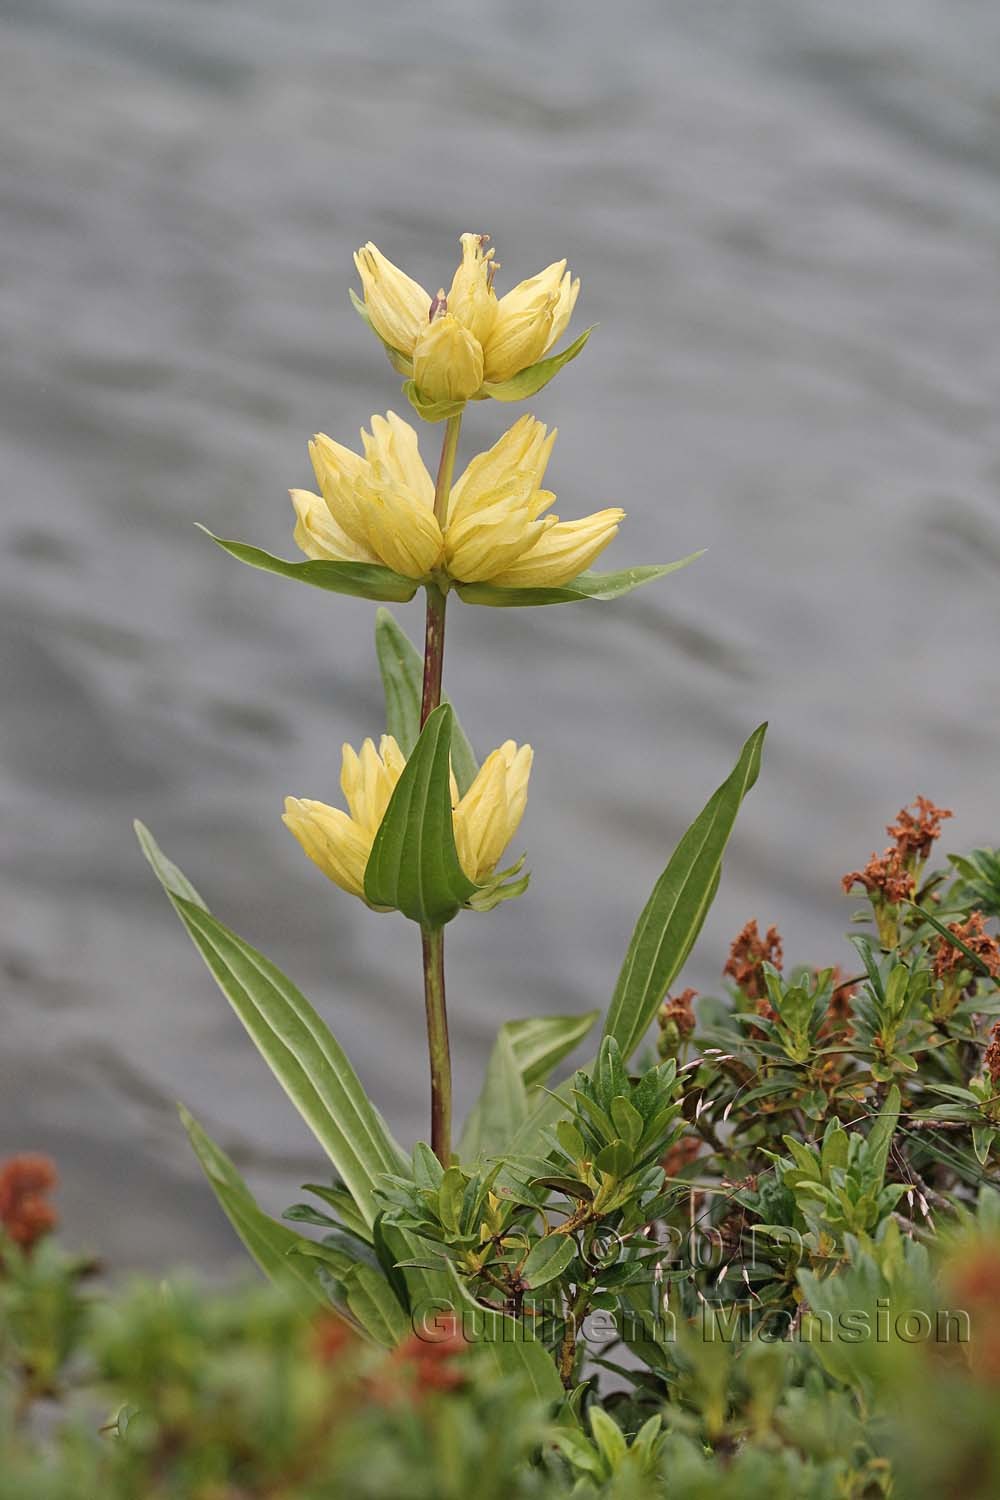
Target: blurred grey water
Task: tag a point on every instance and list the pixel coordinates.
(787, 221)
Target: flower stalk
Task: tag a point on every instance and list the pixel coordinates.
(432, 943)
(438, 1046)
(436, 598)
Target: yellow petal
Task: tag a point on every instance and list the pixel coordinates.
(564, 550)
(332, 841)
(472, 299)
(447, 361)
(397, 305)
(337, 471)
(368, 781)
(319, 536)
(383, 508)
(522, 330)
(333, 464)
(400, 529)
(490, 541)
(569, 290)
(514, 466)
(393, 445)
(493, 516)
(392, 757)
(487, 817)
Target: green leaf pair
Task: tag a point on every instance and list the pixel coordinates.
(414, 866)
(374, 581)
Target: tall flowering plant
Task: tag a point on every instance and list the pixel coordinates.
(510, 1223)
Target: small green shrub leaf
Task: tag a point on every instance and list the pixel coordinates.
(547, 1259)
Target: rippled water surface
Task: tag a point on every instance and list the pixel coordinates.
(787, 221)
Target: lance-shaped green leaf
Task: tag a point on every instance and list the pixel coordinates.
(270, 1243)
(414, 866)
(299, 1048)
(361, 580)
(597, 586)
(369, 1295)
(530, 380)
(373, 1302)
(672, 917)
(402, 669)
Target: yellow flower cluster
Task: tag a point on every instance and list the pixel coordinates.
(455, 342)
(379, 508)
(493, 525)
(485, 819)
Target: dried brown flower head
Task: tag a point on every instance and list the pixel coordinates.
(25, 1212)
(885, 877)
(747, 956)
(991, 1057)
(890, 877)
(678, 1009)
(914, 833)
(949, 960)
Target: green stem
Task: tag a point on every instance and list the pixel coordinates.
(575, 1314)
(436, 598)
(433, 651)
(438, 1047)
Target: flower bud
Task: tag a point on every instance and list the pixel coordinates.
(523, 328)
(472, 299)
(447, 361)
(487, 817)
(396, 304)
